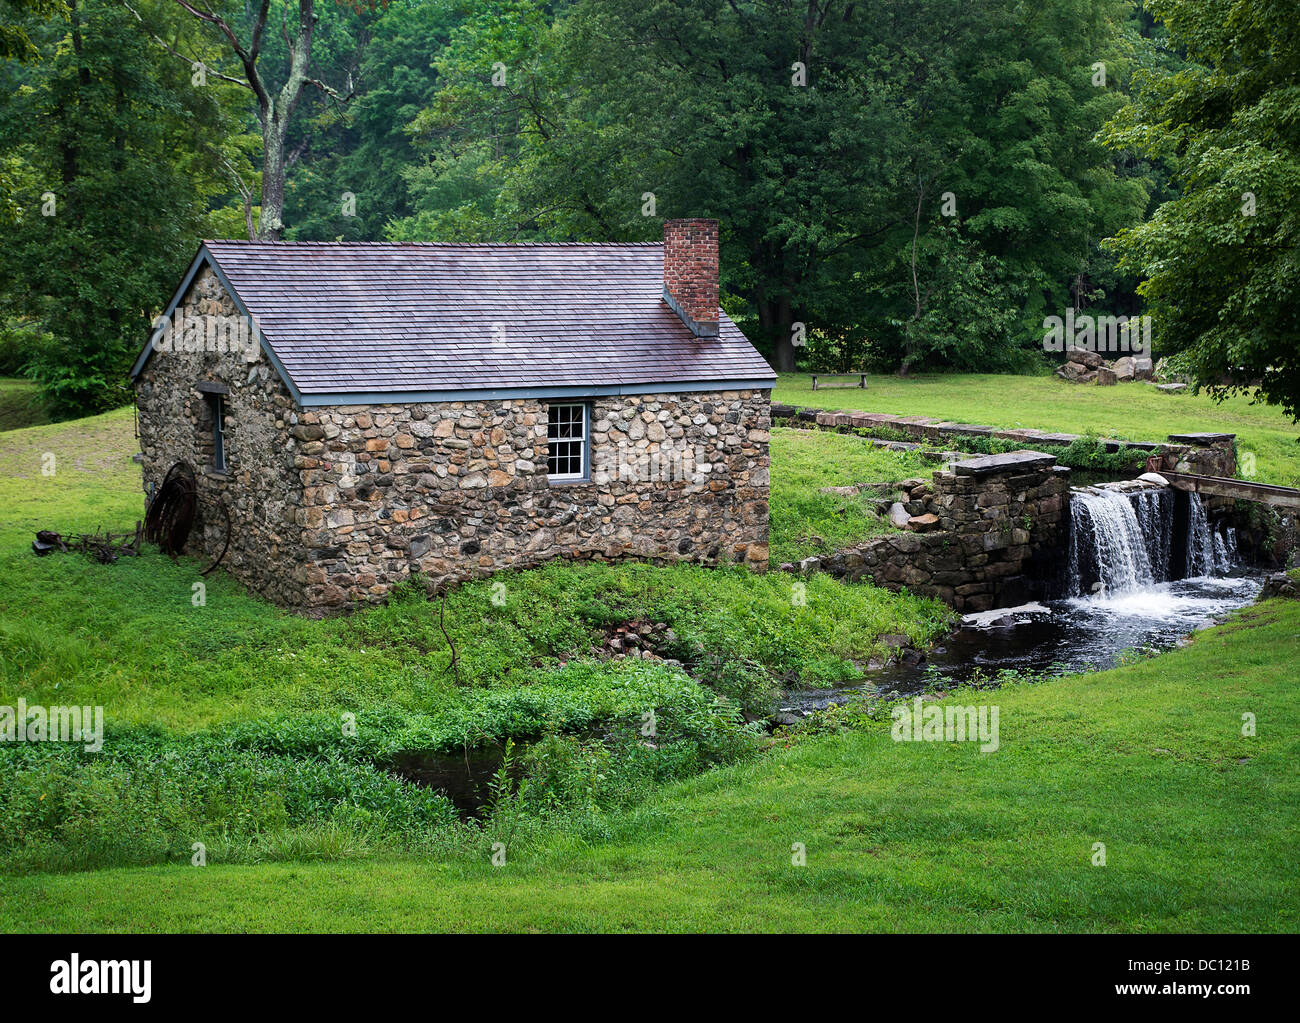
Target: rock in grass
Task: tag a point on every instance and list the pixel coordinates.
(898, 517)
(1279, 584)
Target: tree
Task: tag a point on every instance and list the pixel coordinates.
(351, 178)
(827, 136)
(115, 159)
(1221, 259)
(276, 103)
(15, 44)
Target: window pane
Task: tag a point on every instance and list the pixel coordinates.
(566, 434)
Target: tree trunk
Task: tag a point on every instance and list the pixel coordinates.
(776, 319)
(909, 349)
(270, 219)
(274, 110)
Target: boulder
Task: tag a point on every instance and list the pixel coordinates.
(1279, 584)
(1171, 388)
(1107, 377)
(898, 516)
(923, 523)
(1072, 371)
(1154, 477)
(1085, 356)
(1125, 369)
(1142, 368)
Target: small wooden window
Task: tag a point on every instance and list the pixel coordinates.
(566, 442)
(217, 407)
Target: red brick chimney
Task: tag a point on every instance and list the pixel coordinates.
(691, 273)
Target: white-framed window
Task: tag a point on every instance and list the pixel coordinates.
(566, 441)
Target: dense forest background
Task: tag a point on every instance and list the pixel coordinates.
(903, 185)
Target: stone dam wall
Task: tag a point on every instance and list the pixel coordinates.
(987, 532)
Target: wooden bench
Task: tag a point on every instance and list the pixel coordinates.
(842, 380)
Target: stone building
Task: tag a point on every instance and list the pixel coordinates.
(359, 413)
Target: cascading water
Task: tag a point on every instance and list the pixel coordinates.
(1155, 512)
(1208, 553)
(1107, 544)
(1123, 540)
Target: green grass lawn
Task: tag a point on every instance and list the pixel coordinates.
(19, 405)
(1135, 411)
(1199, 825)
(1199, 822)
(806, 522)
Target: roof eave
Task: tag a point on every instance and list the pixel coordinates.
(309, 400)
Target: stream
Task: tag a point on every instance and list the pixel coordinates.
(1144, 570)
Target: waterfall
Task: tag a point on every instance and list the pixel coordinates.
(1155, 512)
(1107, 543)
(1123, 540)
(1208, 552)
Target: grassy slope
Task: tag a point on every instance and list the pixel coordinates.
(1129, 411)
(920, 836)
(1199, 825)
(18, 404)
(127, 636)
(802, 463)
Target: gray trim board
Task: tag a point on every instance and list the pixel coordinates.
(490, 394)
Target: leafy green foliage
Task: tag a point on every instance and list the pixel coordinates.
(1221, 259)
(112, 191)
(151, 798)
(150, 794)
(15, 44)
(364, 147)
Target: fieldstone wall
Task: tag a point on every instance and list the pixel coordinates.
(331, 507)
(1203, 454)
(459, 490)
(988, 533)
(259, 487)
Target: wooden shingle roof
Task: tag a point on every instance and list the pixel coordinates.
(397, 320)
